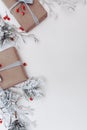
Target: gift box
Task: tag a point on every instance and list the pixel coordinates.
(11, 68)
(28, 13)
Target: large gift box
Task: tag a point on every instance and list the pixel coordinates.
(11, 68)
(28, 13)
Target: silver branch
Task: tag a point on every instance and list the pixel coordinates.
(10, 33)
(14, 114)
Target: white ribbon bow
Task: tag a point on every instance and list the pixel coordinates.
(27, 1)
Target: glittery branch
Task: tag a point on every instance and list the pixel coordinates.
(10, 33)
(33, 88)
(17, 125)
(14, 114)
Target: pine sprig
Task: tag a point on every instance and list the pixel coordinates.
(33, 88)
(10, 33)
(17, 125)
(10, 103)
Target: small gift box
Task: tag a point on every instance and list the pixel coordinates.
(11, 68)
(28, 13)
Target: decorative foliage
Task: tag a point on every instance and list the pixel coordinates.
(17, 125)
(10, 32)
(32, 88)
(14, 114)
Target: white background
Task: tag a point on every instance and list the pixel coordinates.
(61, 57)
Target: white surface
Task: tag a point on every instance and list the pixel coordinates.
(61, 57)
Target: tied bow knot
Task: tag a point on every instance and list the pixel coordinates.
(27, 1)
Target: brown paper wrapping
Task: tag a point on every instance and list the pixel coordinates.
(14, 75)
(26, 21)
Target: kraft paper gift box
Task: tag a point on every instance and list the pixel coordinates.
(11, 68)
(25, 18)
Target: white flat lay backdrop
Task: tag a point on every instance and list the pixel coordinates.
(61, 57)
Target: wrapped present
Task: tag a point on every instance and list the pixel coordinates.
(11, 68)
(28, 13)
